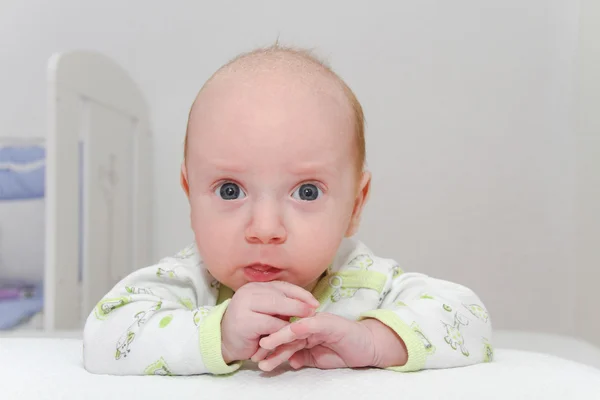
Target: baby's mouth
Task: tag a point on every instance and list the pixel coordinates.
(262, 267)
(261, 272)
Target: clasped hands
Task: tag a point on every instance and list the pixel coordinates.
(256, 326)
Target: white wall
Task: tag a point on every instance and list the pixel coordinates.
(588, 174)
(468, 106)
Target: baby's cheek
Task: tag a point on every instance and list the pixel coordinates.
(318, 251)
(213, 239)
(215, 243)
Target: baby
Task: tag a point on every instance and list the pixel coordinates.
(274, 173)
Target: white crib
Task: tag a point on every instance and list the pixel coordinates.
(98, 185)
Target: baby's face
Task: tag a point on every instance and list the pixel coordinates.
(271, 178)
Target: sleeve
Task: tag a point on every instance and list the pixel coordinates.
(442, 324)
(151, 324)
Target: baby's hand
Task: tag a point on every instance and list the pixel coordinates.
(323, 341)
(257, 309)
(329, 341)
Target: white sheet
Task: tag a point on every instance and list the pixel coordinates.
(568, 347)
(52, 369)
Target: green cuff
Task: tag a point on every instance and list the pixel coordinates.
(210, 342)
(414, 345)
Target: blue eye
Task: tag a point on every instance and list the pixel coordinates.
(230, 191)
(307, 192)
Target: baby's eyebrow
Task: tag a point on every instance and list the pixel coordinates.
(226, 166)
(312, 168)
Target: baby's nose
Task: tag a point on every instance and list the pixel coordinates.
(266, 225)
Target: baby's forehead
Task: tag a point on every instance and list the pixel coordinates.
(266, 108)
(260, 89)
(267, 92)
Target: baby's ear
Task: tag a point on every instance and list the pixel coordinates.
(362, 196)
(184, 180)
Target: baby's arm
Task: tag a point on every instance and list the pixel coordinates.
(151, 324)
(442, 324)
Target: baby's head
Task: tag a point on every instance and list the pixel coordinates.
(273, 168)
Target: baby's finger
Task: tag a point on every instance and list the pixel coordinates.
(283, 336)
(296, 292)
(260, 354)
(318, 357)
(266, 324)
(320, 325)
(272, 304)
(301, 359)
(281, 355)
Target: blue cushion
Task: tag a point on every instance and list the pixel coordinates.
(16, 311)
(22, 172)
